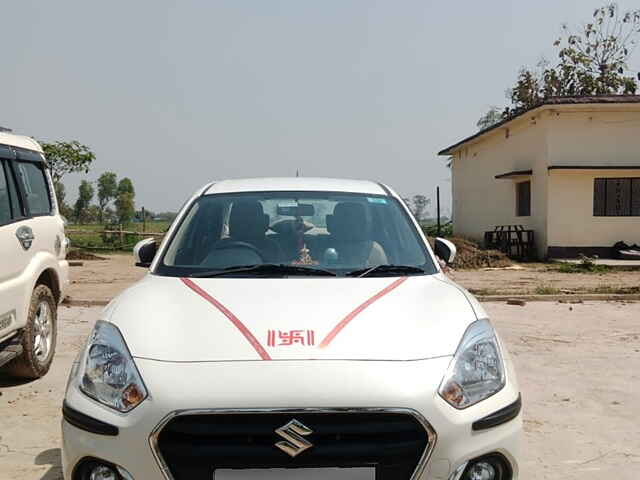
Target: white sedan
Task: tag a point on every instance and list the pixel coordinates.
(293, 329)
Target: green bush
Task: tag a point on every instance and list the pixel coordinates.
(586, 265)
(446, 230)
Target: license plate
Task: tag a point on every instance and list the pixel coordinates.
(296, 474)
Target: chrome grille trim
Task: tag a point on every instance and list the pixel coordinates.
(432, 436)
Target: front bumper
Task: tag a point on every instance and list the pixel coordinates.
(280, 386)
(64, 281)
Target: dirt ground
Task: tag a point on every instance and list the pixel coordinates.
(101, 280)
(577, 365)
(537, 279)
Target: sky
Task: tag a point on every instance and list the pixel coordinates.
(174, 94)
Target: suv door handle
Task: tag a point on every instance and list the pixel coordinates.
(25, 236)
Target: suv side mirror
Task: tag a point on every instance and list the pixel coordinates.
(445, 249)
(144, 251)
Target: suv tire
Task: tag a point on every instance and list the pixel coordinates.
(38, 337)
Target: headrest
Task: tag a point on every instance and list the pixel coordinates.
(291, 226)
(247, 220)
(349, 222)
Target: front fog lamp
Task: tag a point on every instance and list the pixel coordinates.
(102, 472)
(476, 371)
(489, 467)
(95, 469)
(482, 471)
(109, 375)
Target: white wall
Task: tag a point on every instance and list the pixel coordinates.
(590, 137)
(594, 135)
(571, 220)
(480, 201)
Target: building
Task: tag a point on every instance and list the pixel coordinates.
(568, 169)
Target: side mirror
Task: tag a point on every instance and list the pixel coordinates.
(445, 249)
(144, 251)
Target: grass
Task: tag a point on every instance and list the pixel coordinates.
(586, 265)
(151, 227)
(580, 268)
(615, 290)
(547, 290)
(89, 236)
(484, 292)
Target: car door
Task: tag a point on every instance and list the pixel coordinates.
(47, 229)
(14, 258)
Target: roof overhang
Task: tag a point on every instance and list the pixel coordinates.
(549, 104)
(593, 167)
(516, 174)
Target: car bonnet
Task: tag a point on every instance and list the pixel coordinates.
(227, 319)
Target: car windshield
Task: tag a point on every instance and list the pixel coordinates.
(295, 233)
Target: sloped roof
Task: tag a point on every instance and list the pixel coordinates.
(596, 100)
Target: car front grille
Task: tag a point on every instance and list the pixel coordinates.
(191, 446)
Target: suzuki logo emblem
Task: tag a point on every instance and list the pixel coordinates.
(293, 432)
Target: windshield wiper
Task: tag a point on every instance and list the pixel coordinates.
(266, 269)
(386, 270)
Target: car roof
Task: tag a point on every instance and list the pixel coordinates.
(285, 184)
(19, 141)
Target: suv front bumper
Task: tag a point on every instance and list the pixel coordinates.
(64, 280)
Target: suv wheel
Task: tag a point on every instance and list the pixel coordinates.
(38, 338)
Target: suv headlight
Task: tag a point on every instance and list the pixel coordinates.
(109, 374)
(477, 370)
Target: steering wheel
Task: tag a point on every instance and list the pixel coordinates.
(238, 244)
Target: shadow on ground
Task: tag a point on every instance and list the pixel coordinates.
(7, 381)
(50, 457)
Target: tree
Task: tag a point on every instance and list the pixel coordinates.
(85, 195)
(109, 216)
(420, 203)
(593, 61)
(489, 119)
(125, 202)
(92, 214)
(61, 195)
(67, 157)
(125, 207)
(107, 191)
(126, 186)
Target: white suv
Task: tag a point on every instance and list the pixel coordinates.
(33, 271)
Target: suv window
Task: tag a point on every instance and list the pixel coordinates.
(10, 207)
(34, 184)
(5, 203)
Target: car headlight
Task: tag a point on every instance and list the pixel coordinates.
(477, 370)
(109, 374)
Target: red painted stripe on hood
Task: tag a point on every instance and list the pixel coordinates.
(343, 323)
(227, 313)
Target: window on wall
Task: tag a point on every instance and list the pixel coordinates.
(616, 197)
(523, 199)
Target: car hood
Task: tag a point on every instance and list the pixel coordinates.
(227, 319)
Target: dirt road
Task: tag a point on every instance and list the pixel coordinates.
(30, 413)
(101, 280)
(578, 369)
